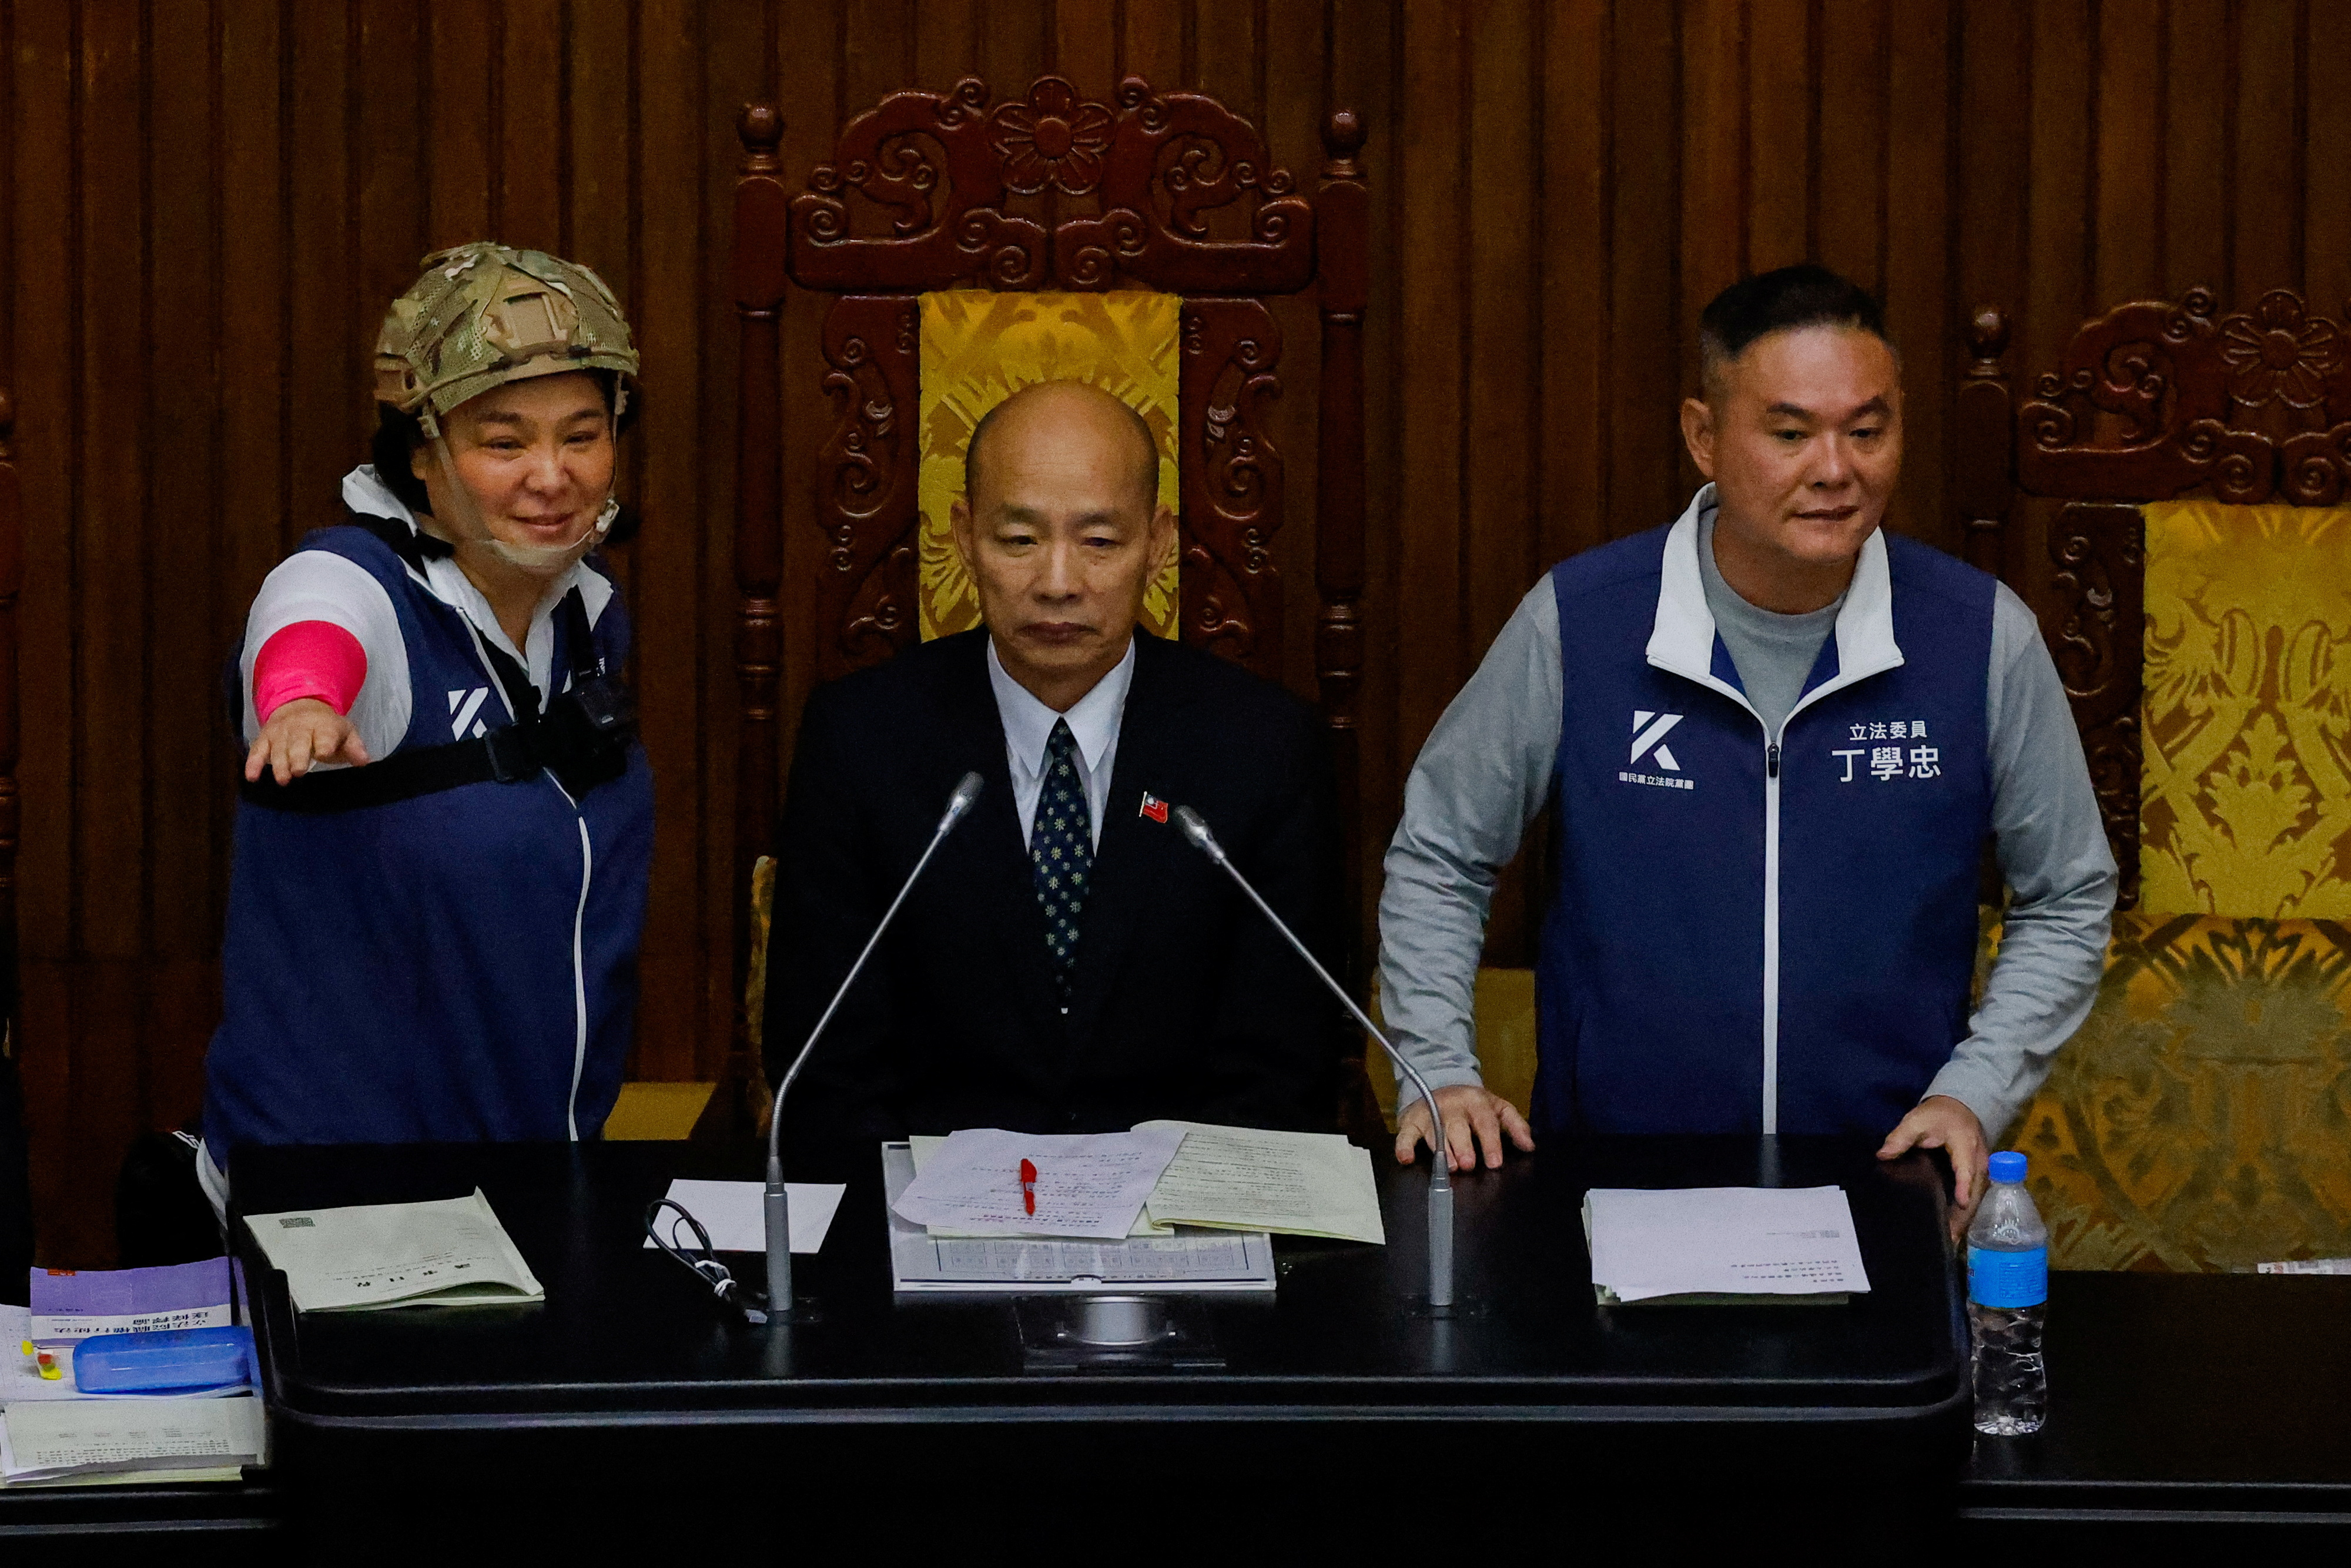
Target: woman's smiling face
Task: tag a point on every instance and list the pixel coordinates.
(536, 456)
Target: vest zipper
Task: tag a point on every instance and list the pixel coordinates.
(1770, 872)
(1772, 936)
(578, 985)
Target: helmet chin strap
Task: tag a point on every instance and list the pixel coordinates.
(538, 560)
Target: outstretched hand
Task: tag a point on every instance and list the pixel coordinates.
(1471, 1112)
(299, 735)
(1939, 1121)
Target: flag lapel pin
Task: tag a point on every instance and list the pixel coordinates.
(1154, 807)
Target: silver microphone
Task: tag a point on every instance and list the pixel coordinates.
(775, 1200)
(1440, 1176)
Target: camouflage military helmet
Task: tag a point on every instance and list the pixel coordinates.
(483, 315)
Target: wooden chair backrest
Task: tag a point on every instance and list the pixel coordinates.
(2151, 401)
(1168, 191)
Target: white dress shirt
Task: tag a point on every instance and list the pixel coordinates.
(1093, 720)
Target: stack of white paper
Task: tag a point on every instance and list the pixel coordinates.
(1722, 1243)
(72, 1437)
(53, 1434)
(1089, 1184)
(1234, 1178)
(1189, 1261)
(450, 1253)
(925, 1146)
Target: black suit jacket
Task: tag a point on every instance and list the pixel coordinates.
(1186, 1003)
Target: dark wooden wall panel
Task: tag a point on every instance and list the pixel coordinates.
(2193, 228)
(2326, 160)
(1292, 90)
(1783, 105)
(109, 841)
(1433, 233)
(666, 312)
(1917, 270)
(1849, 192)
(183, 820)
(1573, 241)
(207, 203)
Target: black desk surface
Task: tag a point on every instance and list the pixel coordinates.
(2185, 1393)
(2176, 1400)
(625, 1334)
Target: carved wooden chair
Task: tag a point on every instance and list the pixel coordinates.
(2189, 470)
(1167, 193)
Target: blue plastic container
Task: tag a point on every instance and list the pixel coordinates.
(171, 1361)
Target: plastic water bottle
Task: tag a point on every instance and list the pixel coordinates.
(2007, 1297)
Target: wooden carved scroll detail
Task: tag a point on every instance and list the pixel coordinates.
(1174, 160)
(864, 482)
(2100, 552)
(1051, 191)
(1232, 478)
(927, 161)
(2154, 398)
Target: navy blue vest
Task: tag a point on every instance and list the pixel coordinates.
(1656, 952)
(457, 967)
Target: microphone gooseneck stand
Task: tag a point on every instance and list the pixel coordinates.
(775, 1200)
(1440, 1173)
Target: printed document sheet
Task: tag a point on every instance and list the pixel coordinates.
(1088, 1185)
(925, 1144)
(1186, 1260)
(734, 1213)
(1244, 1178)
(1710, 1243)
(48, 1441)
(453, 1252)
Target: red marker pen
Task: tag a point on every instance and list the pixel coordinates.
(1028, 1186)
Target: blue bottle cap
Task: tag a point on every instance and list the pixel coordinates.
(2008, 1165)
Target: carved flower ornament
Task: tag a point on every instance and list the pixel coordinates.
(1051, 139)
(2275, 352)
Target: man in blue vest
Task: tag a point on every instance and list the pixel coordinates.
(1779, 737)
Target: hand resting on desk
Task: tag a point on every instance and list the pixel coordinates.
(1471, 1110)
(1939, 1121)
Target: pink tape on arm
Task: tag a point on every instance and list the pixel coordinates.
(308, 659)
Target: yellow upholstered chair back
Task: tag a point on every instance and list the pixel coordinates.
(755, 984)
(2201, 1119)
(2245, 783)
(977, 347)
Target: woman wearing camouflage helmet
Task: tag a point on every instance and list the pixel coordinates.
(446, 823)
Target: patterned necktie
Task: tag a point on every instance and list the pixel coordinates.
(1061, 852)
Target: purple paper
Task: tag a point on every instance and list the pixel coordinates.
(126, 1293)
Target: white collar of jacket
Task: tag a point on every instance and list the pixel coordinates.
(365, 492)
(1682, 640)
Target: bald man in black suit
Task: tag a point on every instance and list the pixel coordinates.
(1068, 963)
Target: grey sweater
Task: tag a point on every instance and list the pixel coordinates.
(1486, 773)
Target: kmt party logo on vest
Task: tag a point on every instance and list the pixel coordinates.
(1649, 731)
